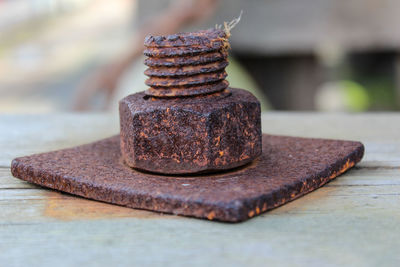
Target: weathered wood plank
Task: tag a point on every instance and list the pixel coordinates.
(44, 206)
(354, 220)
(279, 239)
(367, 176)
(329, 227)
(378, 131)
(29, 134)
(9, 182)
(55, 205)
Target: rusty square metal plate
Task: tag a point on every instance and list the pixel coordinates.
(289, 167)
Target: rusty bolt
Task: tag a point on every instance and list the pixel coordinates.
(189, 120)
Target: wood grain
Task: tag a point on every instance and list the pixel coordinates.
(354, 220)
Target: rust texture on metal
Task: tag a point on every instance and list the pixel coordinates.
(183, 61)
(210, 38)
(186, 62)
(189, 120)
(289, 168)
(189, 135)
(198, 79)
(186, 70)
(201, 90)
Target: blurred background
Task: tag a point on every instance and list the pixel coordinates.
(84, 55)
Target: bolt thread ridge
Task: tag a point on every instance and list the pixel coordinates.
(186, 64)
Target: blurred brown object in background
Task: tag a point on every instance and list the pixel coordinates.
(300, 54)
(105, 79)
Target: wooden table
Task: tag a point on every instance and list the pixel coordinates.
(354, 220)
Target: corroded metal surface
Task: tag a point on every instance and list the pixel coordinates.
(189, 135)
(177, 51)
(186, 62)
(189, 120)
(198, 79)
(288, 168)
(202, 89)
(186, 70)
(189, 60)
(210, 38)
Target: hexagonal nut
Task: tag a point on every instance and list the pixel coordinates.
(190, 135)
